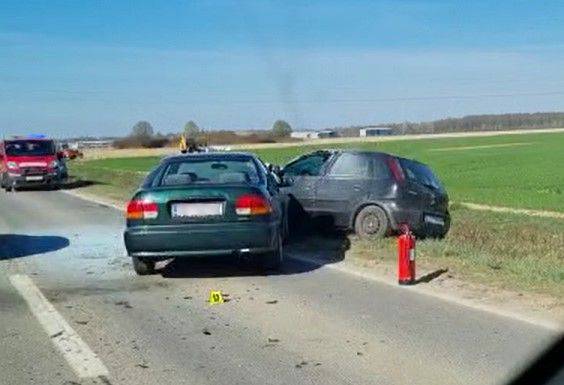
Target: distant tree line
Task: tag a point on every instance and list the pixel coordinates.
(471, 123)
(142, 135)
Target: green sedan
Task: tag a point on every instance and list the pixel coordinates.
(206, 204)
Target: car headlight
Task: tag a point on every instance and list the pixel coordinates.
(12, 165)
(54, 164)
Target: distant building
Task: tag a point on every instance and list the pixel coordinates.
(375, 131)
(313, 134)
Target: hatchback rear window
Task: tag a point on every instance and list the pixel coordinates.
(418, 172)
(210, 171)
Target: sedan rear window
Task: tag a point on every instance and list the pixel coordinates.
(210, 171)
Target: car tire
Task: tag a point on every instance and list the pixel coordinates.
(273, 260)
(371, 221)
(143, 266)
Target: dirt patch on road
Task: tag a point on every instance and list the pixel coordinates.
(449, 285)
(480, 147)
(438, 279)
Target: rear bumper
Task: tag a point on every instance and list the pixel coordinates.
(31, 180)
(420, 221)
(192, 240)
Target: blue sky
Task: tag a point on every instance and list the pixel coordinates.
(70, 68)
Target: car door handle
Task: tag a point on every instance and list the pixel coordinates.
(356, 187)
(412, 192)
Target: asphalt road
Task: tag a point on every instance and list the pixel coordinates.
(307, 325)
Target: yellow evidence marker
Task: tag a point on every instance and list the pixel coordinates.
(215, 297)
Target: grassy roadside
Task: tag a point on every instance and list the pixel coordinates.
(503, 250)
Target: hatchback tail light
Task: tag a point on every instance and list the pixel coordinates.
(139, 209)
(252, 204)
(395, 169)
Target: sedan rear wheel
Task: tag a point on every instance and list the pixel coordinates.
(371, 221)
(273, 260)
(143, 266)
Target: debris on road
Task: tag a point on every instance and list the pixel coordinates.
(144, 366)
(81, 322)
(272, 302)
(273, 340)
(56, 334)
(125, 304)
(301, 364)
(206, 332)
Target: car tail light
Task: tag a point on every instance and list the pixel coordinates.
(252, 204)
(395, 169)
(139, 209)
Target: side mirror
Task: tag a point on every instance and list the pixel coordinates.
(274, 169)
(60, 155)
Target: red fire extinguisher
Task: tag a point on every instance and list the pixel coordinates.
(406, 256)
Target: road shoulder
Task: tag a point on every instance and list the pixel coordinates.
(537, 309)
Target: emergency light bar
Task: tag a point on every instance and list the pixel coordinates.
(32, 136)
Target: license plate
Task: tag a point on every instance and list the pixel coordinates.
(200, 209)
(34, 177)
(434, 220)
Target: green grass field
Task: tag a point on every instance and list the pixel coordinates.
(520, 171)
(504, 250)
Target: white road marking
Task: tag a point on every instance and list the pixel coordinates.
(92, 199)
(80, 357)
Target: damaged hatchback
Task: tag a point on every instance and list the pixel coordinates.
(372, 193)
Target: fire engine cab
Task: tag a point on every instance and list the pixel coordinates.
(31, 161)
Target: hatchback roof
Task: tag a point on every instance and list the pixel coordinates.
(367, 152)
